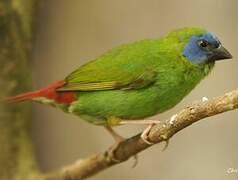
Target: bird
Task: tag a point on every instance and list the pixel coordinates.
(134, 81)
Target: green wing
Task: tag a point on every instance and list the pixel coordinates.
(126, 67)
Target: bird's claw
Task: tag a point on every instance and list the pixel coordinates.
(166, 145)
(112, 156)
(135, 161)
(144, 135)
(111, 152)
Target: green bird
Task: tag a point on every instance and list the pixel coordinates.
(135, 81)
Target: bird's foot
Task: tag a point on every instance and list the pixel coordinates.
(145, 133)
(112, 150)
(112, 154)
(118, 140)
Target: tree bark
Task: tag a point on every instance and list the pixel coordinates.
(16, 153)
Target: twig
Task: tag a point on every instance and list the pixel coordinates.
(162, 132)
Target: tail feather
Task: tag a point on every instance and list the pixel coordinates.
(23, 97)
(48, 92)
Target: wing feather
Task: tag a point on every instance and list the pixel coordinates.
(121, 68)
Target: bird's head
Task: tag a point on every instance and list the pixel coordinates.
(200, 46)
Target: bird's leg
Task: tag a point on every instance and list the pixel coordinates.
(118, 139)
(144, 135)
(146, 122)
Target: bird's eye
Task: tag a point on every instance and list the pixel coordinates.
(203, 43)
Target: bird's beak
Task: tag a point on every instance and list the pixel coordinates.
(221, 53)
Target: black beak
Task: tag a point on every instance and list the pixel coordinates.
(220, 54)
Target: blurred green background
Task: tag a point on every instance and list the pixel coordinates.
(70, 33)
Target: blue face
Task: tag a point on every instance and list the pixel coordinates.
(204, 49)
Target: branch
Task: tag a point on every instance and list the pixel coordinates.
(84, 168)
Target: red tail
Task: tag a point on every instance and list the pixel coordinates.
(22, 97)
(48, 92)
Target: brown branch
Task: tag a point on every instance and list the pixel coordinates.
(162, 132)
